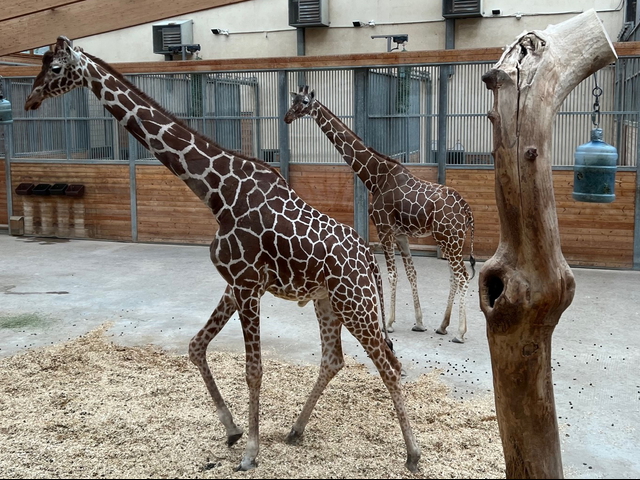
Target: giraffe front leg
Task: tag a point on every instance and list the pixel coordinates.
(198, 356)
(331, 363)
(249, 312)
(405, 250)
(389, 254)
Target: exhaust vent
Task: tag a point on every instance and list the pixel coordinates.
(309, 13)
(171, 34)
(461, 8)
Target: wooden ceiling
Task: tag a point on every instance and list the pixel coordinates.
(29, 24)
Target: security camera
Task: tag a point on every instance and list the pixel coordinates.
(357, 24)
(400, 38)
(219, 31)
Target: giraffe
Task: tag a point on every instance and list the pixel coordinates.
(269, 240)
(402, 206)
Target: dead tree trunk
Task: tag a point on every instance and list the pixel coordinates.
(526, 286)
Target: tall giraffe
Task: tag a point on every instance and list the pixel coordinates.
(402, 206)
(269, 240)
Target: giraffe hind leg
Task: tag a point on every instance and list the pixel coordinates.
(331, 363)
(453, 287)
(459, 283)
(198, 356)
(463, 285)
(389, 368)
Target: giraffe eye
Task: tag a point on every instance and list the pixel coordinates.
(56, 69)
(305, 101)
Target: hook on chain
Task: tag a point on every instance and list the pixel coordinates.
(596, 92)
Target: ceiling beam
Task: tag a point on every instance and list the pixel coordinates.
(18, 8)
(28, 25)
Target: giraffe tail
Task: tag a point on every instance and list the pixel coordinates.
(471, 226)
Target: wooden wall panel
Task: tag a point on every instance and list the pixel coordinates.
(168, 211)
(329, 188)
(596, 234)
(592, 234)
(104, 212)
(4, 214)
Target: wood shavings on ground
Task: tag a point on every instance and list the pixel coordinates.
(89, 408)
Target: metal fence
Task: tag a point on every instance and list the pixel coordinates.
(397, 110)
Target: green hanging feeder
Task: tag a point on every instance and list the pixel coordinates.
(594, 176)
(6, 115)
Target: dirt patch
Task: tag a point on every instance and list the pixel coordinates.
(89, 409)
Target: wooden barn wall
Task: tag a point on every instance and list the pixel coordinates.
(4, 214)
(168, 211)
(596, 234)
(103, 212)
(592, 234)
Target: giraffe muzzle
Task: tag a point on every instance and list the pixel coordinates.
(32, 103)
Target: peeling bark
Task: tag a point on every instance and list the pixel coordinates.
(527, 285)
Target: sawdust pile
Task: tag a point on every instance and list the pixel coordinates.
(91, 409)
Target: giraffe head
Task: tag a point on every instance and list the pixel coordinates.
(302, 103)
(59, 74)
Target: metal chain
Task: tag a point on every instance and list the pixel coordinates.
(597, 91)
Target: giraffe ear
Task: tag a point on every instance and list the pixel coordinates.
(312, 94)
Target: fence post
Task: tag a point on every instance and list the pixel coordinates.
(636, 222)
(133, 184)
(283, 128)
(8, 153)
(360, 116)
(443, 110)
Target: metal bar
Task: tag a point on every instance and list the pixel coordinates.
(283, 129)
(360, 113)
(443, 98)
(133, 188)
(7, 168)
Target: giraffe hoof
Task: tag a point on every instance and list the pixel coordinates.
(232, 439)
(441, 332)
(390, 329)
(457, 340)
(416, 328)
(412, 464)
(246, 465)
(294, 438)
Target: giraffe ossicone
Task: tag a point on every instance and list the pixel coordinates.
(402, 206)
(269, 240)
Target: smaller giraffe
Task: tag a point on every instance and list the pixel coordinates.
(402, 206)
(268, 240)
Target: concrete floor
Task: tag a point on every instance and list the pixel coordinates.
(53, 290)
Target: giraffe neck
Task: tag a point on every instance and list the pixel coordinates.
(364, 161)
(206, 168)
